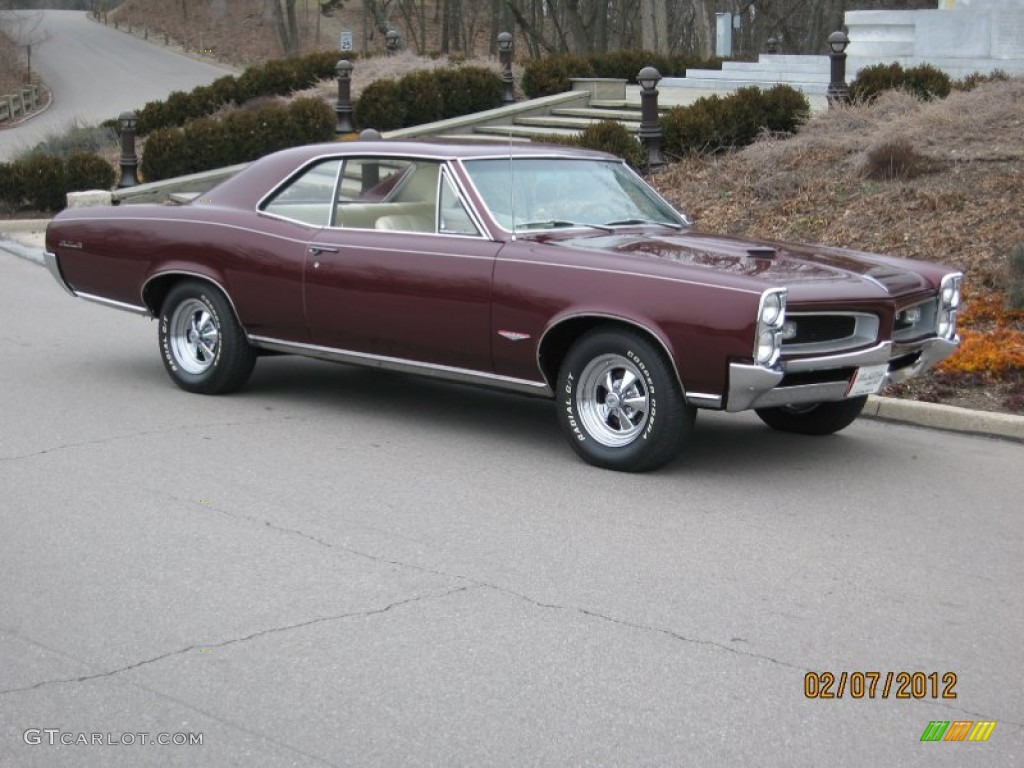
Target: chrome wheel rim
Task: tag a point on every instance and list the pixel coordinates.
(194, 336)
(613, 400)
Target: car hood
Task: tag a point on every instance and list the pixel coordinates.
(773, 263)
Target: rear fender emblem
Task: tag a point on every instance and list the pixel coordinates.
(70, 244)
(513, 335)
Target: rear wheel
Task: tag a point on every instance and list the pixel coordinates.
(203, 347)
(815, 418)
(619, 403)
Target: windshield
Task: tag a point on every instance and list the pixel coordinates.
(548, 193)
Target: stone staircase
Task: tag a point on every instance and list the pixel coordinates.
(592, 100)
(809, 74)
(565, 121)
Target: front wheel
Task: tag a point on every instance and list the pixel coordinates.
(813, 419)
(204, 348)
(619, 402)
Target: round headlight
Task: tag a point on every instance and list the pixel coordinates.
(951, 294)
(771, 310)
(767, 348)
(945, 326)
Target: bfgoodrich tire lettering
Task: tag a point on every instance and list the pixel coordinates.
(815, 419)
(201, 342)
(619, 403)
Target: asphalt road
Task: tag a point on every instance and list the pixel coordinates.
(94, 73)
(342, 567)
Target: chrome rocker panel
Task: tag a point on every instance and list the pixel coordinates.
(450, 373)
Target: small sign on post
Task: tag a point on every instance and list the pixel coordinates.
(346, 40)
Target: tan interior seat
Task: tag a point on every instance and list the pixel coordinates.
(404, 222)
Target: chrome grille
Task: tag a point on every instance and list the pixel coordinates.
(827, 332)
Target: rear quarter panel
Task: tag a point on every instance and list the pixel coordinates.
(258, 261)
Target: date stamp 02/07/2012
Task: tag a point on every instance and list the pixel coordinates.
(880, 685)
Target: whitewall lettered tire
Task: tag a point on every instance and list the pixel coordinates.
(619, 402)
(203, 347)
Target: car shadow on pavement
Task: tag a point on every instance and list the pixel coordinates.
(721, 443)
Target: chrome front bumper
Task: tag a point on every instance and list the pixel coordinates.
(753, 386)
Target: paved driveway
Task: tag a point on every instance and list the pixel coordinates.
(94, 73)
(343, 567)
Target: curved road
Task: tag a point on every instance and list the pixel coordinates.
(94, 73)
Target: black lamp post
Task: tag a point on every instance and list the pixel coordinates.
(508, 95)
(344, 106)
(650, 128)
(129, 160)
(392, 40)
(838, 92)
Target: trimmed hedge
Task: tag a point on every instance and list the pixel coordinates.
(553, 74)
(243, 135)
(924, 81)
(380, 106)
(714, 123)
(607, 136)
(426, 96)
(277, 77)
(41, 182)
(422, 97)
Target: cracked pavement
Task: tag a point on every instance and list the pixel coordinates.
(342, 567)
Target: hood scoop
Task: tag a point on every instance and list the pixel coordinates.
(762, 252)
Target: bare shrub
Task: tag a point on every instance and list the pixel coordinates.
(890, 160)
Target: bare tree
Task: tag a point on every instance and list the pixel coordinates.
(285, 22)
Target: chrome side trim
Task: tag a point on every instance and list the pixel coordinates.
(701, 400)
(133, 308)
(53, 265)
(400, 365)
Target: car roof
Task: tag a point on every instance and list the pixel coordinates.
(249, 186)
(448, 149)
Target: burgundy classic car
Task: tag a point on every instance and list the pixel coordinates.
(544, 270)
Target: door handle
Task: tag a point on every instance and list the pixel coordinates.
(316, 250)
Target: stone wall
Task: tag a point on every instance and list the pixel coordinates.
(960, 37)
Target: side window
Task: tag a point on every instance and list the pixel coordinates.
(309, 197)
(388, 193)
(372, 179)
(455, 219)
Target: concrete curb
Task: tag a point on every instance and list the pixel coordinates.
(945, 417)
(24, 238)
